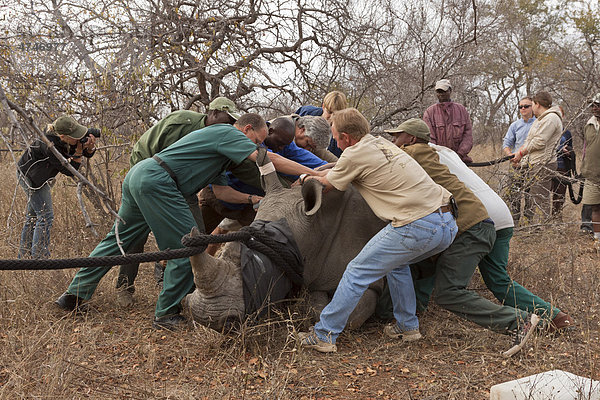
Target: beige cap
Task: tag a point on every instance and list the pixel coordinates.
(443, 84)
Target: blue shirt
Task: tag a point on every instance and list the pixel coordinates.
(309, 110)
(517, 133)
(291, 152)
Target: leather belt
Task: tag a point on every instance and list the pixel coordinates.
(166, 168)
(445, 209)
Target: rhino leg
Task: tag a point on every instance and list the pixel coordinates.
(364, 309)
(317, 301)
(218, 298)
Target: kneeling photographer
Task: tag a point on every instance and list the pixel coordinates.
(37, 168)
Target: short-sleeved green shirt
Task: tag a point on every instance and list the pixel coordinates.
(201, 157)
(166, 132)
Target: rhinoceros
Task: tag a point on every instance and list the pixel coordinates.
(330, 229)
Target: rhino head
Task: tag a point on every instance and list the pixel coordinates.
(329, 229)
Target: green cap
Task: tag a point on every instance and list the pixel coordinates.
(65, 125)
(224, 104)
(414, 126)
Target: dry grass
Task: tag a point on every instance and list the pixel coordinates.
(114, 353)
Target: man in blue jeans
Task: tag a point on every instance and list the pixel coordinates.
(421, 225)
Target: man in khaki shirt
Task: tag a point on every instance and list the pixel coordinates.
(420, 225)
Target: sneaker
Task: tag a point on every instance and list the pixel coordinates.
(310, 340)
(522, 334)
(124, 298)
(393, 331)
(561, 322)
(172, 322)
(70, 302)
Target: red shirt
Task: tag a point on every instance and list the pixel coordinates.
(450, 126)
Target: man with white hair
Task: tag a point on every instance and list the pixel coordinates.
(313, 133)
(449, 122)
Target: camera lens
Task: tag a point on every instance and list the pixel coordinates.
(93, 131)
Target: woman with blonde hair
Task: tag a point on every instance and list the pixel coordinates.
(333, 101)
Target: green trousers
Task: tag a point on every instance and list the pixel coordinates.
(508, 292)
(128, 272)
(150, 201)
(454, 269)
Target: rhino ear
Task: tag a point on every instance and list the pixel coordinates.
(312, 193)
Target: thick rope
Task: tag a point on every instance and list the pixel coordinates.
(107, 261)
(491, 162)
(566, 181)
(253, 238)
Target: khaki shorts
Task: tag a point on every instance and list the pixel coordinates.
(591, 192)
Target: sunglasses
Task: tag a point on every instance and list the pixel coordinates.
(525, 106)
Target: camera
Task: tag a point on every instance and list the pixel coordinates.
(90, 131)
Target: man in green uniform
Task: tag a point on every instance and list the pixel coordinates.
(166, 132)
(153, 199)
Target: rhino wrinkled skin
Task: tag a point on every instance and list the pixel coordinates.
(330, 230)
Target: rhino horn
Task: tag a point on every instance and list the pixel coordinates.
(208, 273)
(270, 181)
(312, 193)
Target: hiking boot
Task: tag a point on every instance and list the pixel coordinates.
(310, 340)
(172, 322)
(70, 302)
(522, 334)
(124, 298)
(393, 331)
(562, 321)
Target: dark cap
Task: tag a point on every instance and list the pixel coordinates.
(65, 125)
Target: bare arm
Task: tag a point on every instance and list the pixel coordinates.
(325, 167)
(323, 179)
(284, 165)
(230, 195)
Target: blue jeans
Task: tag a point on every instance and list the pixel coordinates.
(35, 237)
(389, 253)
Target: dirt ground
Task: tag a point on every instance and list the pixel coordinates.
(114, 353)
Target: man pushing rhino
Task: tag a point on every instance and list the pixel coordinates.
(153, 199)
(420, 225)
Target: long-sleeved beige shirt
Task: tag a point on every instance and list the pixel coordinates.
(543, 137)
